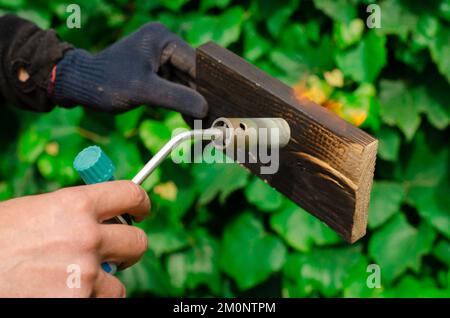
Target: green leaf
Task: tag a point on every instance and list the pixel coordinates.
(208, 4)
(224, 29)
(5, 191)
(321, 270)
(278, 19)
(385, 201)
(309, 58)
(175, 194)
(41, 17)
(398, 246)
(125, 155)
(416, 58)
(218, 179)
(127, 122)
(294, 37)
(389, 143)
(300, 229)
(425, 168)
(442, 251)
(396, 18)
(347, 34)
(59, 166)
(152, 180)
(410, 287)
(255, 45)
(431, 101)
(154, 134)
(31, 144)
(148, 275)
(444, 10)
(426, 30)
(364, 62)
(197, 266)
(264, 253)
(398, 107)
(263, 196)
(436, 37)
(12, 4)
(173, 5)
(165, 235)
(433, 205)
(340, 10)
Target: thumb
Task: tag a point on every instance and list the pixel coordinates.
(178, 97)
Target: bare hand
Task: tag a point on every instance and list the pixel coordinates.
(41, 236)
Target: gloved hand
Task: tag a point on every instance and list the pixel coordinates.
(125, 75)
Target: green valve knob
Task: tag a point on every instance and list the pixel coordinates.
(94, 166)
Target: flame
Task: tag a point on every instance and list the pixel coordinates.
(312, 88)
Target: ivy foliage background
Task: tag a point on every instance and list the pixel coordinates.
(215, 230)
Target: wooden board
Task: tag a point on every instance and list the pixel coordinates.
(327, 167)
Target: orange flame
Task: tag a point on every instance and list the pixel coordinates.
(310, 90)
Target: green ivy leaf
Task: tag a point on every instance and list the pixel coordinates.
(175, 194)
(41, 17)
(31, 144)
(263, 196)
(224, 29)
(431, 101)
(199, 265)
(389, 143)
(264, 253)
(173, 5)
(435, 36)
(5, 191)
(425, 168)
(322, 270)
(59, 166)
(148, 275)
(255, 45)
(278, 19)
(12, 4)
(340, 10)
(346, 34)
(396, 18)
(398, 246)
(410, 287)
(364, 62)
(300, 229)
(398, 107)
(218, 179)
(127, 122)
(125, 156)
(166, 235)
(444, 10)
(442, 251)
(433, 205)
(385, 201)
(154, 134)
(307, 59)
(208, 4)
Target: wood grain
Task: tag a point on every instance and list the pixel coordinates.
(327, 167)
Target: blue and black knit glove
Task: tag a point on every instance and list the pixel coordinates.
(128, 74)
